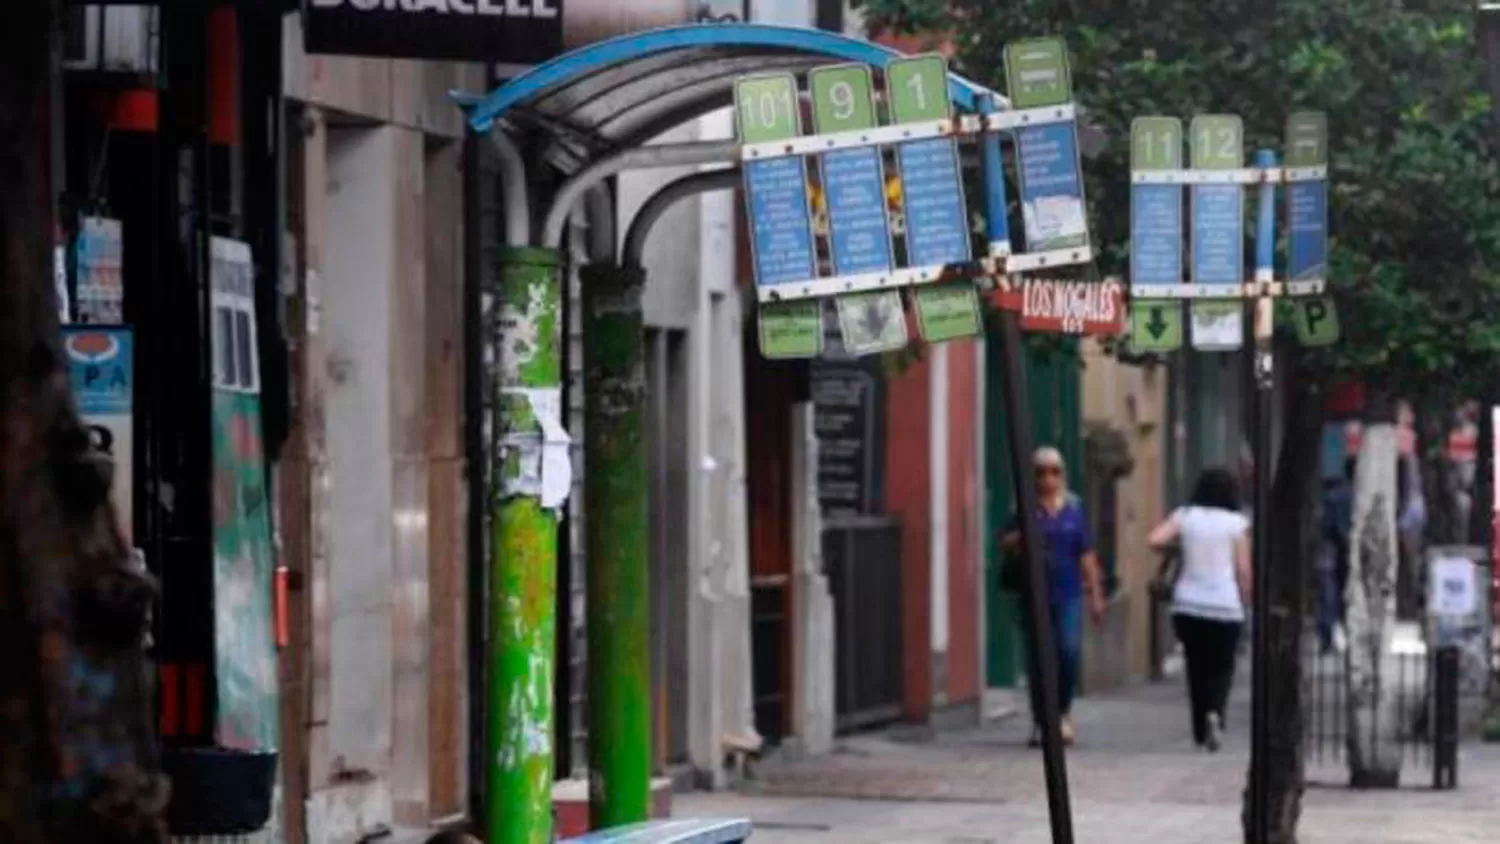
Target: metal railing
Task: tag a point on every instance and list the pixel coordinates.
(1425, 694)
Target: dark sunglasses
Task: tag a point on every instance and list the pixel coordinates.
(1045, 471)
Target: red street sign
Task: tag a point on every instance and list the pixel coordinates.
(1070, 307)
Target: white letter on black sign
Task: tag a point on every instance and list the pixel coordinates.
(488, 7)
(540, 9)
(365, 5)
(461, 7)
(517, 9)
(327, 4)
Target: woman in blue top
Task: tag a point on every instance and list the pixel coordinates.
(1072, 578)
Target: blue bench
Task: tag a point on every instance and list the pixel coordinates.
(725, 831)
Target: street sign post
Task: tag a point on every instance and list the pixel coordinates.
(781, 238)
(1221, 298)
(872, 260)
(1156, 232)
(1051, 178)
(932, 194)
(859, 232)
(1218, 236)
(859, 237)
(1316, 320)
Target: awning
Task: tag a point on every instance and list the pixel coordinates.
(622, 92)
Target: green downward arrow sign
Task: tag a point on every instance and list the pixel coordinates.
(1156, 325)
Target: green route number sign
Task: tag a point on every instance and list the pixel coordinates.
(918, 89)
(1156, 143)
(1218, 142)
(767, 108)
(1307, 139)
(1037, 71)
(843, 98)
(1156, 325)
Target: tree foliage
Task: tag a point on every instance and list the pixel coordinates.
(1415, 204)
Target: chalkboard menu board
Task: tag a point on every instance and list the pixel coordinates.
(849, 417)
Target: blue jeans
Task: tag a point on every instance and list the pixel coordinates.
(1333, 577)
(1067, 633)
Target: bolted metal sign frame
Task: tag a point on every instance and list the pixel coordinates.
(1259, 295)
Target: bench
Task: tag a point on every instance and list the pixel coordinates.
(723, 831)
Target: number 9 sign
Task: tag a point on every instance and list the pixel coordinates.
(843, 98)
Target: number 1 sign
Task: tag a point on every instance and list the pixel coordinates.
(932, 192)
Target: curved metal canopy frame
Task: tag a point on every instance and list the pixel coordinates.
(588, 88)
(599, 101)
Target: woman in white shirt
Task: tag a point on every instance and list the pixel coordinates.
(1210, 594)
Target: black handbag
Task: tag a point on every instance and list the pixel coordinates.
(1013, 574)
(1165, 582)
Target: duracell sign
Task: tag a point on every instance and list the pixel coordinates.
(517, 31)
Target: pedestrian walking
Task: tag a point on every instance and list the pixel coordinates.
(1074, 582)
(1210, 590)
(1338, 514)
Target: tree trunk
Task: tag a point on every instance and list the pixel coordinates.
(75, 762)
(1374, 750)
(1293, 510)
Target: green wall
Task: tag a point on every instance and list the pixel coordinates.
(1053, 401)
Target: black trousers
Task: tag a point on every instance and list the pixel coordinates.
(1210, 650)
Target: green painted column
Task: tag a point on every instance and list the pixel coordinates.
(615, 499)
(523, 547)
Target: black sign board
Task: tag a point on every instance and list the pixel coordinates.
(848, 416)
(509, 31)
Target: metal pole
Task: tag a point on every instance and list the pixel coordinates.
(523, 550)
(618, 547)
(1262, 358)
(513, 187)
(1043, 648)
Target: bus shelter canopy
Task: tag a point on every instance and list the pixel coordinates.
(622, 92)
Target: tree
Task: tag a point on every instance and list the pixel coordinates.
(75, 761)
(1415, 205)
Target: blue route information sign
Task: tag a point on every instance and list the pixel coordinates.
(1307, 241)
(937, 230)
(1155, 234)
(1155, 209)
(781, 236)
(1218, 234)
(1051, 187)
(1307, 201)
(859, 234)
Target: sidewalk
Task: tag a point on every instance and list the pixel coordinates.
(1134, 778)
